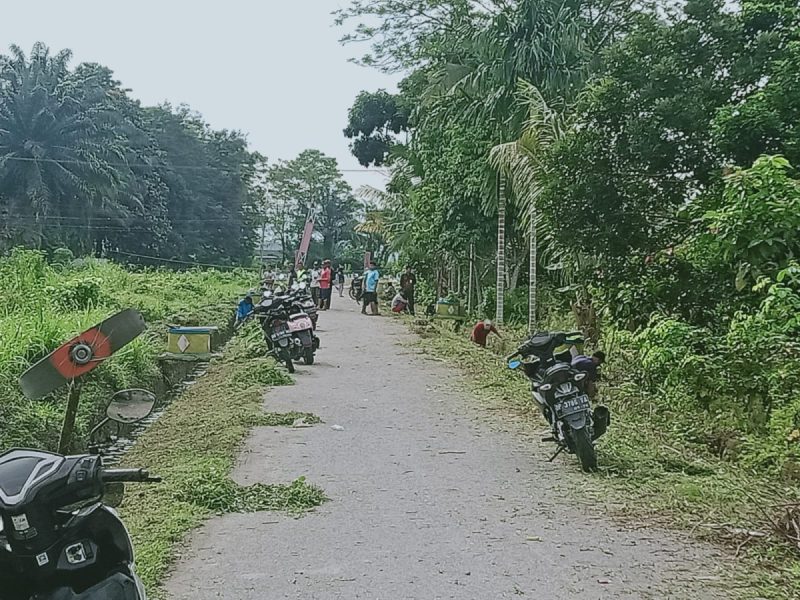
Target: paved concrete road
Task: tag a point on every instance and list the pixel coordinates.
(431, 497)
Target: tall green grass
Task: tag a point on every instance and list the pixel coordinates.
(45, 304)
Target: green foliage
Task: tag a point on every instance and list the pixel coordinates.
(46, 305)
(372, 120)
(755, 228)
(515, 305)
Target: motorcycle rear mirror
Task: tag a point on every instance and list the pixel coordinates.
(130, 406)
(514, 364)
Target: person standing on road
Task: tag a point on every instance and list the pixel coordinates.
(325, 283)
(481, 331)
(370, 297)
(408, 283)
(314, 283)
(340, 280)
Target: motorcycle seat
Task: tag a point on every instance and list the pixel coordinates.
(540, 340)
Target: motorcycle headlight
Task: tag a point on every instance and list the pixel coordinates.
(545, 387)
(580, 376)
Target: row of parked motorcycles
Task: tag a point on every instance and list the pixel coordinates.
(288, 318)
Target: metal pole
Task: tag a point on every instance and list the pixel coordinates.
(471, 278)
(532, 273)
(68, 427)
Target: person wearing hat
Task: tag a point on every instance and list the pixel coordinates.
(325, 282)
(481, 331)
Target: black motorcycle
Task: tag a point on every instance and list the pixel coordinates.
(289, 333)
(357, 287)
(560, 391)
(301, 301)
(60, 537)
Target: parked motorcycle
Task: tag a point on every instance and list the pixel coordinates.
(560, 391)
(60, 537)
(289, 336)
(303, 302)
(357, 287)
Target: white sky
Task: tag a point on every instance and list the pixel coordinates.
(272, 69)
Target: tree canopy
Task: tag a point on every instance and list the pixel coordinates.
(86, 167)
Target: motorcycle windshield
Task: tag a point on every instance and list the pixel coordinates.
(21, 470)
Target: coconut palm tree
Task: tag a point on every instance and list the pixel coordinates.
(57, 146)
(522, 163)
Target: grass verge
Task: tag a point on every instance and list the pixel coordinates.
(646, 476)
(193, 447)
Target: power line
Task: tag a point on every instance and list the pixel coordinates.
(58, 219)
(174, 260)
(127, 165)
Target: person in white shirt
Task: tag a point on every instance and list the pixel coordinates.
(314, 285)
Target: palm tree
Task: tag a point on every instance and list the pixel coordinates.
(57, 144)
(522, 163)
(501, 249)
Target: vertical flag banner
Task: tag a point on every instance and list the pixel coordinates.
(305, 242)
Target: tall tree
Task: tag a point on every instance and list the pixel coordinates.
(311, 183)
(373, 122)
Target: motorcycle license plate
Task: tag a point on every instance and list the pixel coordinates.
(572, 406)
(300, 324)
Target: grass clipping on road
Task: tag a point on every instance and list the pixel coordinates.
(643, 476)
(193, 447)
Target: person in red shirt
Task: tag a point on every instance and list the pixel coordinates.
(481, 331)
(325, 282)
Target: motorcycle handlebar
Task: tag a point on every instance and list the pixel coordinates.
(128, 475)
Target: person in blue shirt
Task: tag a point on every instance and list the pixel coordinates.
(370, 295)
(244, 309)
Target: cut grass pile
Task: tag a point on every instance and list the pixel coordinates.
(645, 475)
(193, 447)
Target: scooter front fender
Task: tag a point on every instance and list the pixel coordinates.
(577, 421)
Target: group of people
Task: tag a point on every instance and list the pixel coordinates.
(321, 279)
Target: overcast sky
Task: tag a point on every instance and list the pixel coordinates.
(272, 69)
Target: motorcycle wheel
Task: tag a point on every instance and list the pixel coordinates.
(289, 365)
(585, 450)
(308, 356)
